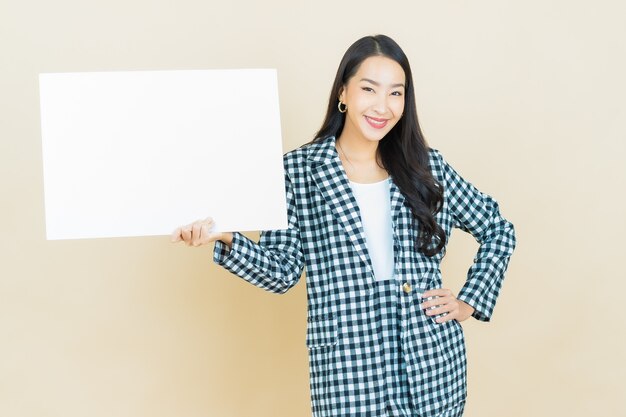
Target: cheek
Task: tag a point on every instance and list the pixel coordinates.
(398, 107)
(361, 101)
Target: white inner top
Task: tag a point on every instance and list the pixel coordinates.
(375, 206)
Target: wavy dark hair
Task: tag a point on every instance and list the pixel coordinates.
(403, 151)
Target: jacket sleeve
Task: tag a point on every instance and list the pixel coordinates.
(479, 214)
(276, 262)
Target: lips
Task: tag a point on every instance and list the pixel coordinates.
(376, 123)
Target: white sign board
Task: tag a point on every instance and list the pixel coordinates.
(140, 153)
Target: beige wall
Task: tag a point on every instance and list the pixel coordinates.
(525, 99)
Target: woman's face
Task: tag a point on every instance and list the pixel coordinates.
(374, 97)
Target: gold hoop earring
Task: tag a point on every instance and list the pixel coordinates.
(345, 107)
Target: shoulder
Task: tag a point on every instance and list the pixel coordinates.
(434, 155)
(437, 163)
(298, 159)
(295, 158)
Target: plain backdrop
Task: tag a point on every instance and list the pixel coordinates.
(524, 99)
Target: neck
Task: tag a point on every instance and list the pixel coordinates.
(359, 159)
(359, 150)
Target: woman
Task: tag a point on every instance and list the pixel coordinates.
(370, 207)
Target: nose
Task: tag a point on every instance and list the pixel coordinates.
(381, 105)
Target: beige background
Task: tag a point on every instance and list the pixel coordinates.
(525, 99)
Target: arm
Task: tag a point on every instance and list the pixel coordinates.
(276, 262)
(479, 214)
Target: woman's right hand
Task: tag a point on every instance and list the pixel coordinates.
(200, 233)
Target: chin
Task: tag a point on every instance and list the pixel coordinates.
(376, 136)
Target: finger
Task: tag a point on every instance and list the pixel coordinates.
(443, 319)
(175, 236)
(446, 308)
(436, 291)
(186, 234)
(445, 302)
(209, 223)
(442, 315)
(195, 233)
(208, 235)
(205, 233)
(436, 301)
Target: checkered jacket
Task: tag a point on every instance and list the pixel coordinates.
(325, 234)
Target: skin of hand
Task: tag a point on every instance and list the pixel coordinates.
(199, 233)
(446, 303)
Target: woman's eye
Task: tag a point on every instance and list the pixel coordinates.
(396, 93)
(367, 89)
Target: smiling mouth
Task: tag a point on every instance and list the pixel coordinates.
(376, 123)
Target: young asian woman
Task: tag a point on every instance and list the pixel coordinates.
(370, 206)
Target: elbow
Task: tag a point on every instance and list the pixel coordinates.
(511, 237)
(283, 289)
(283, 285)
(282, 281)
(505, 234)
(500, 241)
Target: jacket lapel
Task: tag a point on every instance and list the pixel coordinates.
(332, 181)
(397, 204)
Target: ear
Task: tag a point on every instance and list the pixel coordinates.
(341, 94)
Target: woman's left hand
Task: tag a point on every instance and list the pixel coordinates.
(445, 302)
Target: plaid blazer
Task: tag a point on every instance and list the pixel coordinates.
(325, 234)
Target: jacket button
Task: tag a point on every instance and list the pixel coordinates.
(406, 287)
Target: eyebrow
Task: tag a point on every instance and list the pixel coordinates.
(378, 84)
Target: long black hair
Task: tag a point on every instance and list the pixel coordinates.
(403, 151)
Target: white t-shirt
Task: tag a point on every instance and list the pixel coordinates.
(375, 207)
